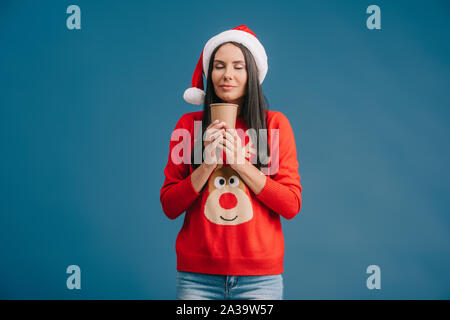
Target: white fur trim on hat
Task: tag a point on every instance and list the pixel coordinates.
(245, 38)
(194, 96)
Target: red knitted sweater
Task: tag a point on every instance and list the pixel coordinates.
(227, 229)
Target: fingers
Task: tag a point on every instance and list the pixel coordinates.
(227, 150)
(212, 129)
(218, 136)
(212, 135)
(216, 124)
(211, 152)
(215, 143)
(212, 124)
(227, 126)
(216, 129)
(227, 142)
(229, 136)
(232, 145)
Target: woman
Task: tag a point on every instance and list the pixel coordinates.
(231, 244)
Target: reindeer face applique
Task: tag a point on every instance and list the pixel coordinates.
(227, 202)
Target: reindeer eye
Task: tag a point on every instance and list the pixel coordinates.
(219, 182)
(233, 181)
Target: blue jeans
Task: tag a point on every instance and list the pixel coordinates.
(201, 286)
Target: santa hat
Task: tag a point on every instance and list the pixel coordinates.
(243, 35)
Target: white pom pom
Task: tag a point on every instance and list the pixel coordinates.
(194, 96)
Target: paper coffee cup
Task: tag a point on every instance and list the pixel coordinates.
(225, 112)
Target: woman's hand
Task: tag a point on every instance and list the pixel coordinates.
(232, 145)
(213, 137)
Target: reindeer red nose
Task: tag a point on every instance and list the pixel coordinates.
(228, 200)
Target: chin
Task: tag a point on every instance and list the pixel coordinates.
(229, 99)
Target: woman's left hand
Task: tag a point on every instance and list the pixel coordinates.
(232, 145)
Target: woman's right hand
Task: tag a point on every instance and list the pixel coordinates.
(213, 136)
(201, 175)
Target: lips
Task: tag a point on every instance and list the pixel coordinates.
(227, 87)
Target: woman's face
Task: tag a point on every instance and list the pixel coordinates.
(229, 74)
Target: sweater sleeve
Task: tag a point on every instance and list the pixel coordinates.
(177, 193)
(282, 192)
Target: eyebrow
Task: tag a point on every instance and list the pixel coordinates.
(237, 61)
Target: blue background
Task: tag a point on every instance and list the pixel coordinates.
(86, 118)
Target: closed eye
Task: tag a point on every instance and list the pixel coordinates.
(235, 68)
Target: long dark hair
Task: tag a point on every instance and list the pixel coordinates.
(253, 109)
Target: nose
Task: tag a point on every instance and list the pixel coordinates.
(227, 76)
(228, 73)
(228, 200)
